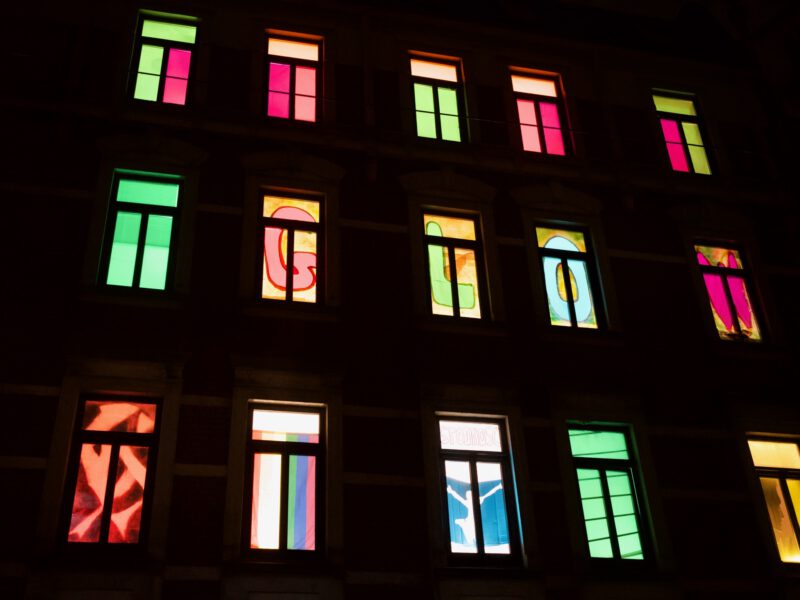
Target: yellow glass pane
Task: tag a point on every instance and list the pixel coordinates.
(718, 257)
(782, 526)
(293, 49)
(434, 70)
(451, 227)
(305, 264)
(778, 455)
(467, 275)
(678, 106)
(534, 85)
(548, 238)
(275, 204)
(273, 264)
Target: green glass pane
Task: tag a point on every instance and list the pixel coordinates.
(423, 97)
(598, 444)
(448, 104)
(692, 133)
(150, 59)
(676, 106)
(590, 487)
(426, 124)
(597, 530)
(156, 193)
(601, 549)
(630, 547)
(122, 262)
(626, 525)
(618, 483)
(146, 87)
(291, 501)
(699, 160)
(451, 129)
(156, 252)
(169, 31)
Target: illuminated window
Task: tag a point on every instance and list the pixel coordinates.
(141, 229)
(609, 497)
(726, 283)
(565, 251)
(293, 78)
(541, 113)
(163, 58)
(437, 95)
(112, 461)
(291, 245)
(778, 468)
(454, 261)
(285, 455)
(681, 128)
(478, 487)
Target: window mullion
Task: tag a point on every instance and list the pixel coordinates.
(289, 263)
(451, 254)
(284, 500)
(612, 528)
(108, 499)
(436, 112)
(476, 507)
(137, 265)
(539, 126)
(292, 77)
(731, 305)
(565, 272)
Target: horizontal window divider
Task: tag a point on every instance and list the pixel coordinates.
(119, 438)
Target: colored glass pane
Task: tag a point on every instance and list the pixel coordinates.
(434, 70)
(151, 59)
(469, 435)
(623, 508)
(448, 107)
(460, 507)
(491, 498)
(146, 87)
(426, 119)
(451, 227)
(266, 505)
(122, 262)
(301, 503)
(279, 77)
(114, 415)
(677, 157)
(175, 90)
(155, 258)
(590, 443)
(594, 513)
(440, 278)
(305, 267)
(274, 207)
(560, 239)
(467, 276)
(90, 493)
(293, 49)
(156, 193)
(781, 521)
(527, 111)
(551, 127)
(670, 130)
(697, 152)
(555, 288)
(305, 81)
(534, 85)
(581, 293)
(677, 106)
(286, 426)
(178, 63)
(305, 108)
(776, 455)
(278, 105)
(718, 257)
(530, 138)
(128, 498)
(172, 32)
(744, 311)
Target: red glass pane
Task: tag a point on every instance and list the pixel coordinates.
(551, 127)
(90, 491)
(175, 91)
(279, 76)
(126, 509)
(278, 105)
(178, 63)
(112, 415)
(677, 157)
(670, 129)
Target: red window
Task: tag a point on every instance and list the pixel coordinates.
(292, 78)
(541, 114)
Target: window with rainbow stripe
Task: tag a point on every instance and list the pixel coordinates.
(680, 125)
(163, 59)
(293, 78)
(285, 450)
(541, 113)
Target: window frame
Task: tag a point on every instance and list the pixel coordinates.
(505, 459)
(285, 449)
(457, 86)
(696, 119)
(559, 102)
(451, 244)
(145, 210)
(293, 64)
(115, 439)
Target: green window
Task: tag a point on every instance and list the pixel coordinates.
(140, 230)
(437, 96)
(609, 497)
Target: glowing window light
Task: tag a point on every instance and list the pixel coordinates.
(436, 104)
(778, 455)
(468, 435)
(680, 126)
(539, 109)
(608, 499)
(285, 426)
(158, 79)
(293, 49)
(292, 79)
(434, 70)
(729, 298)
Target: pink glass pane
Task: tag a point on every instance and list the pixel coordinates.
(178, 63)
(551, 126)
(111, 415)
(670, 129)
(279, 76)
(719, 302)
(741, 301)
(305, 108)
(175, 91)
(305, 81)
(126, 509)
(527, 112)
(530, 138)
(278, 105)
(677, 157)
(90, 492)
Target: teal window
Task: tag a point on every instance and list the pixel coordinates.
(437, 99)
(607, 483)
(140, 230)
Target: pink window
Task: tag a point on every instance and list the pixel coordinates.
(293, 79)
(680, 125)
(540, 112)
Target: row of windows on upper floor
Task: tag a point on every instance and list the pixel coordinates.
(112, 460)
(163, 63)
(141, 235)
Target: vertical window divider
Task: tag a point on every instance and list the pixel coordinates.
(105, 522)
(612, 526)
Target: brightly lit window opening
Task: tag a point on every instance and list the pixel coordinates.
(164, 58)
(540, 113)
(437, 87)
(608, 492)
(778, 466)
(293, 78)
(285, 449)
(681, 128)
(478, 488)
(566, 267)
(726, 282)
(141, 229)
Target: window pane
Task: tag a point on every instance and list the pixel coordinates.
(555, 288)
(778, 455)
(551, 127)
(172, 32)
(448, 107)
(111, 415)
(598, 444)
(720, 308)
(534, 85)
(782, 526)
(305, 108)
(291, 209)
(718, 257)
(266, 507)
(560, 239)
(156, 193)
(426, 124)
(452, 227)
(175, 91)
(150, 59)
(273, 275)
(460, 507)
(677, 157)
(581, 294)
(279, 77)
(527, 111)
(670, 130)
(146, 87)
(305, 81)
(493, 509)
(155, 258)
(122, 262)
(448, 104)
(744, 310)
(674, 105)
(293, 49)
(441, 288)
(90, 492)
(126, 509)
(594, 513)
(301, 503)
(451, 128)
(530, 138)
(178, 63)
(433, 70)
(467, 277)
(285, 426)
(469, 435)
(423, 97)
(305, 267)
(699, 160)
(278, 105)
(624, 510)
